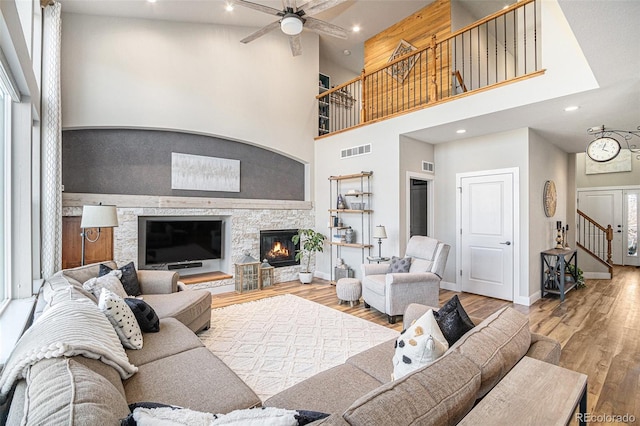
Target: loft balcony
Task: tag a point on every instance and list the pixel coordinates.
(500, 49)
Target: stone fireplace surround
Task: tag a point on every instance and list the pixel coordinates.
(244, 219)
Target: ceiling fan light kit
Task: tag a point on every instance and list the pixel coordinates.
(291, 21)
(291, 24)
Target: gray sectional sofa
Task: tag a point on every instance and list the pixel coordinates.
(175, 368)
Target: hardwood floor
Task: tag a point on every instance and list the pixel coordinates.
(597, 326)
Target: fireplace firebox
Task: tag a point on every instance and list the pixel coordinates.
(276, 246)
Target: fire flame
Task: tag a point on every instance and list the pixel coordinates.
(278, 250)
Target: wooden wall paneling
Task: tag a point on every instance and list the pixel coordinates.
(384, 94)
(99, 251)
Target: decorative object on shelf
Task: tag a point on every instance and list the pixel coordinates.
(310, 242)
(334, 221)
(549, 198)
(606, 146)
(266, 274)
(559, 241)
(349, 235)
(96, 217)
(247, 274)
(380, 233)
(341, 205)
(400, 70)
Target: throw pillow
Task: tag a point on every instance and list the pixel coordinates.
(129, 278)
(399, 265)
(453, 320)
(145, 315)
(419, 345)
(121, 318)
(111, 282)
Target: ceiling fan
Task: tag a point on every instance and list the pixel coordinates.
(293, 19)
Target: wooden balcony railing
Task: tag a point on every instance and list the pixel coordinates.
(595, 239)
(501, 48)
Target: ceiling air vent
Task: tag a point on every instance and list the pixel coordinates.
(427, 166)
(356, 150)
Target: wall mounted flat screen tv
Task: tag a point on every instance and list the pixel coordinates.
(181, 240)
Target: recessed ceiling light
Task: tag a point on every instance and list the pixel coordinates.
(228, 7)
(461, 131)
(151, 1)
(356, 28)
(346, 52)
(571, 108)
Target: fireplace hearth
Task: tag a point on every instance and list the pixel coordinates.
(276, 246)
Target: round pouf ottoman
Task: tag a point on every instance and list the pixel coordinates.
(349, 290)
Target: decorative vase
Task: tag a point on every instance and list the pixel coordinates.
(341, 205)
(349, 235)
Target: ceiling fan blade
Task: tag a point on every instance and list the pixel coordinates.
(259, 7)
(262, 31)
(324, 28)
(316, 6)
(296, 45)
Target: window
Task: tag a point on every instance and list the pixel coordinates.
(5, 290)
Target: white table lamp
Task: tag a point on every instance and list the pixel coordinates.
(380, 233)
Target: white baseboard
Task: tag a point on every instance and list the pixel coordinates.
(450, 286)
(222, 289)
(527, 301)
(322, 275)
(597, 275)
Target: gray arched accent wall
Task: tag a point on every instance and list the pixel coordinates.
(138, 162)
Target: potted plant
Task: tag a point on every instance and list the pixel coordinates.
(310, 242)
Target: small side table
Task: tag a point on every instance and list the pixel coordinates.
(377, 259)
(554, 265)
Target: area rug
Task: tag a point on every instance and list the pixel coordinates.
(274, 343)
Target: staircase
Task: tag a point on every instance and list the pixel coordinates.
(595, 239)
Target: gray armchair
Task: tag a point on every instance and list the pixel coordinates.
(392, 293)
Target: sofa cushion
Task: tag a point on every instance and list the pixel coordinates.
(453, 320)
(129, 277)
(399, 265)
(441, 393)
(121, 318)
(173, 338)
(185, 306)
(63, 391)
(194, 379)
(375, 361)
(495, 345)
(145, 315)
(419, 345)
(330, 391)
(111, 282)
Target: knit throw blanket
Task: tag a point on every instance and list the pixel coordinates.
(68, 328)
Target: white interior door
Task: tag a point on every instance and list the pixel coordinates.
(487, 230)
(605, 207)
(630, 234)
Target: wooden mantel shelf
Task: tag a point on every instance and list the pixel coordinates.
(205, 277)
(171, 202)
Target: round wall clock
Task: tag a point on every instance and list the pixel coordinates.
(603, 149)
(549, 198)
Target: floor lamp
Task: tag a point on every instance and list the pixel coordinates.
(96, 217)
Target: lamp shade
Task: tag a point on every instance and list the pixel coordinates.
(291, 24)
(99, 217)
(379, 232)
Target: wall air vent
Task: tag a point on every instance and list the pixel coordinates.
(356, 150)
(427, 166)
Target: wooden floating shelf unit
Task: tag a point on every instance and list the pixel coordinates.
(353, 176)
(349, 211)
(351, 245)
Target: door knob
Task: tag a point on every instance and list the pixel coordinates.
(508, 243)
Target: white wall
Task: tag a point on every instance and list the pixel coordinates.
(337, 73)
(119, 72)
(547, 162)
(584, 180)
(497, 151)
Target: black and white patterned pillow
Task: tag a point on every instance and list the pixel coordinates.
(145, 315)
(399, 265)
(121, 318)
(129, 278)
